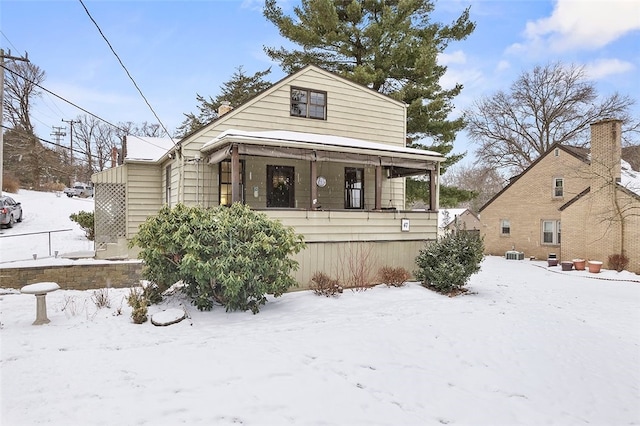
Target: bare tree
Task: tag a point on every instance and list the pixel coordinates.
(552, 103)
(481, 180)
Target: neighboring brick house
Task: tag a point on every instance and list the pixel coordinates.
(572, 202)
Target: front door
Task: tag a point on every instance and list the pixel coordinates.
(280, 186)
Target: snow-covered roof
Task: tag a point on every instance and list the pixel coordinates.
(316, 141)
(140, 148)
(629, 178)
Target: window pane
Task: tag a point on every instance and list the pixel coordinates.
(354, 194)
(506, 226)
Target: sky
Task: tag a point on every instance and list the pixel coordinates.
(527, 345)
(175, 50)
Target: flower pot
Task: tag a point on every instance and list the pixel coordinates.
(566, 266)
(594, 266)
(552, 262)
(579, 264)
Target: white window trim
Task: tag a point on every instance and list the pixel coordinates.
(556, 232)
(502, 233)
(554, 186)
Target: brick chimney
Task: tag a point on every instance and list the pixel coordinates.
(224, 108)
(606, 151)
(114, 156)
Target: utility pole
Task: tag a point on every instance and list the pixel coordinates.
(71, 123)
(58, 134)
(2, 58)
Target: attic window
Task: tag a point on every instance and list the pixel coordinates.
(558, 187)
(556, 152)
(308, 103)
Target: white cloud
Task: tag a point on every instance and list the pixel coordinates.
(586, 24)
(606, 67)
(503, 66)
(457, 57)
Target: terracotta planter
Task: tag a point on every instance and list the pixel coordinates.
(566, 266)
(579, 264)
(595, 266)
(552, 262)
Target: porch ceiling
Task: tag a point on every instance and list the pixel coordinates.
(313, 147)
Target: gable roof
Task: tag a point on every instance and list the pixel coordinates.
(577, 152)
(283, 82)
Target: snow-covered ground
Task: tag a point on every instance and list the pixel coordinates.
(528, 345)
(43, 212)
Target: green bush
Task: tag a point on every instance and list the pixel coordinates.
(447, 264)
(231, 255)
(86, 222)
(138, 303)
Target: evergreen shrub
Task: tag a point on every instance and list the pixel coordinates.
(230, 255)
(86, 222)
(447, 264)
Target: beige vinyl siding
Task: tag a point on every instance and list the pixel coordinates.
(114, 175)
(352, 111)
(336, 226)
(144, 194)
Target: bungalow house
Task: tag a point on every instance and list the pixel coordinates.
(315, 151)
(573, 202)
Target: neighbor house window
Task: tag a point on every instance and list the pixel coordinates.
(551, 232)
(308, 103)
(167, 185)
(558, 187)
(225, 198)
(505, 227)
(353, 188)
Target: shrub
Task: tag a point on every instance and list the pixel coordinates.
(618, 262)
(393, 277)
(138, 304)
(447, 264)
(323, 285)
(10, 183)
(231, 255)
(53, 186)
(101, 298)
(86, 222)
(356, 265)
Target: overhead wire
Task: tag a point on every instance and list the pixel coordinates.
(127, 71)
(79, 107)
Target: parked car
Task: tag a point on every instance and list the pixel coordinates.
(79, 190)
(10, 211)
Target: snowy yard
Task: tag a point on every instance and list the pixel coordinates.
(528, 346)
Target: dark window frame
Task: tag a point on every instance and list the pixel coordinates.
(227, 185)
(349, 188)
(290, 171)
(303, 103)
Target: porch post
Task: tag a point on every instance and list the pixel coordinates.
(235, 175)
(378, 187)
(313, 175)
(433, 191)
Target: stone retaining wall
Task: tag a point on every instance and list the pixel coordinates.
(75, 277)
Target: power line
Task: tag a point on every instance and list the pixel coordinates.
(127, 71)
(77, 106)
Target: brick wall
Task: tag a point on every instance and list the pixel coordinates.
(528, 201)
(75, 277)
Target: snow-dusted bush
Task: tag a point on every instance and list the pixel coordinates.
(447, 264)
(138, 303)
(232, 255)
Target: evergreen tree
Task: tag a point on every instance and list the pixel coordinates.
(390, 46)
(237, 90)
